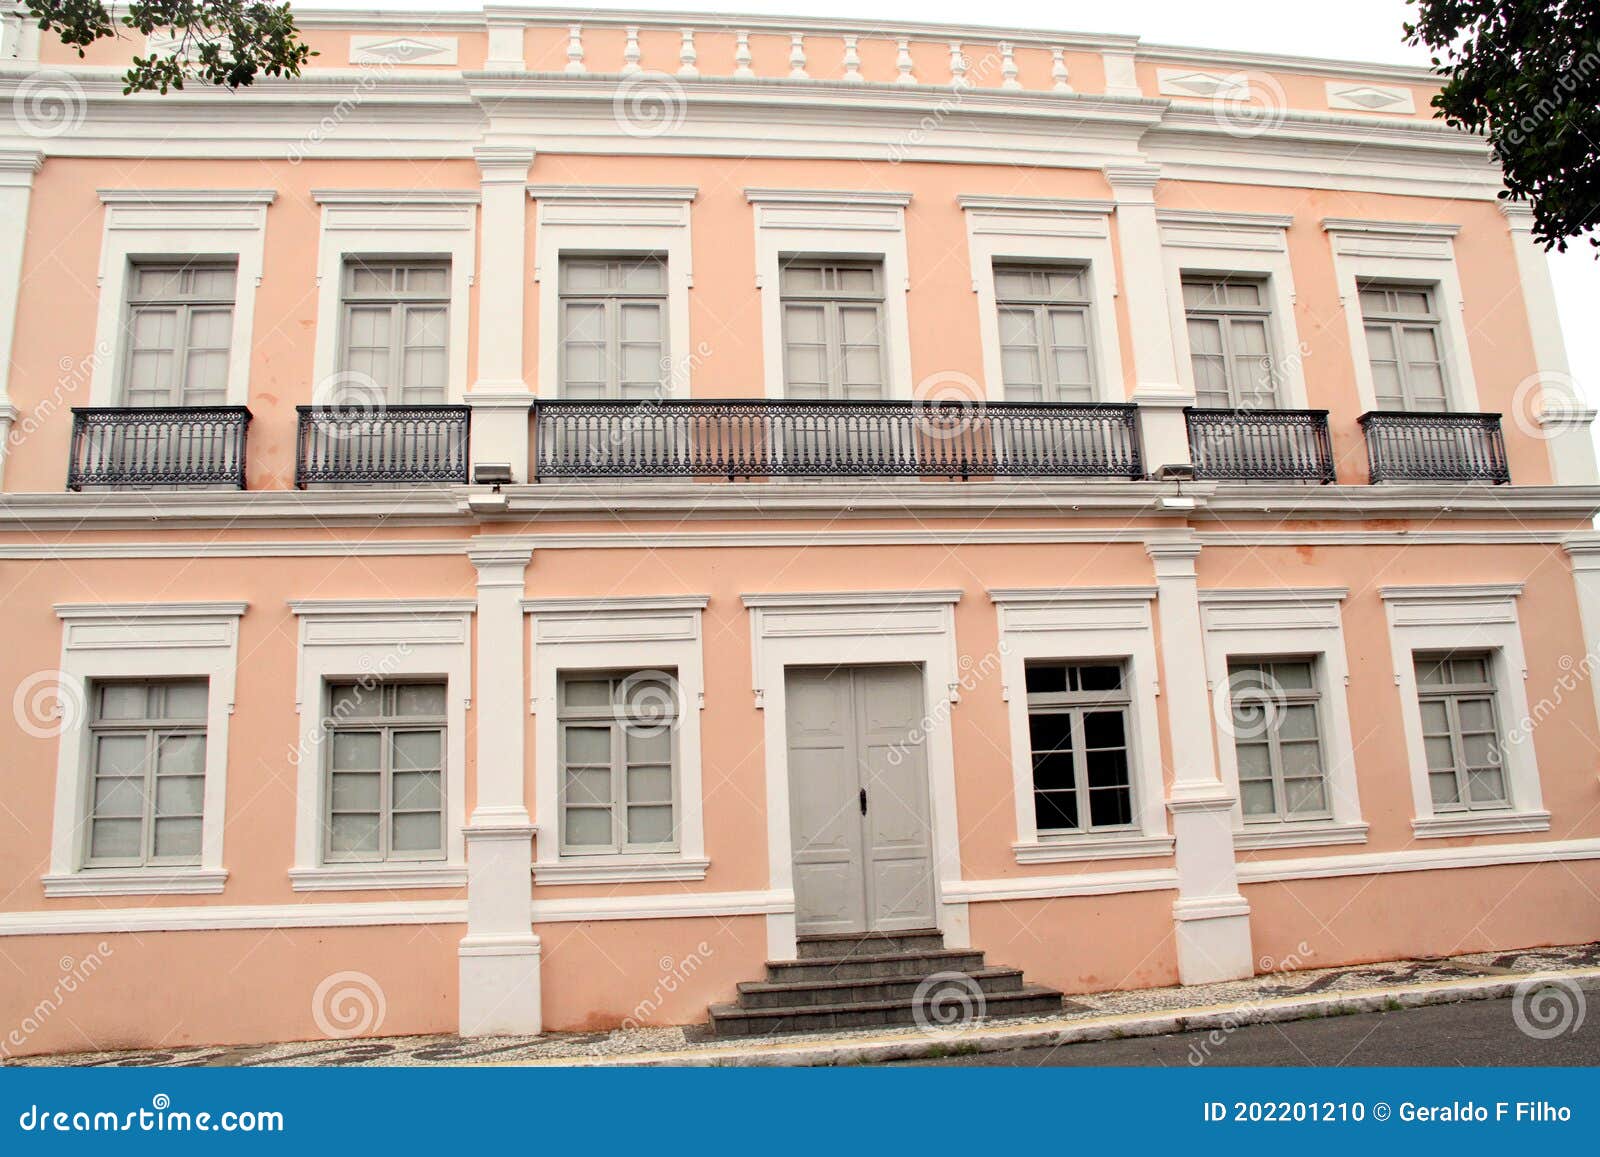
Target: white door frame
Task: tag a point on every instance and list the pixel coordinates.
(855, 628)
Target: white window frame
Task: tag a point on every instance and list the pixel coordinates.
(615, 722)
(402, 225)
(612, 220)
(1397, 324)
(1246, 624)
(617, 634)
(398, 303)
(850, 226)
(1042, 310)
(613, 301)
(1249, 246)
(152, 641)
(1469, 617)
(170, 226)
(183, 308)
(1043, 231)
(1089, 624)
(832, 303)
(1422, 253)
(376, 640)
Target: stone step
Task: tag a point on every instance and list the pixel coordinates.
(729, 1020)
(867, 967)
(760, 994)
(836, 945)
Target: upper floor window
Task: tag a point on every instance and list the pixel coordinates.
(1277, 736)
(613, 327)
(385, 790)
(147, 765)
(396, 328)
(1045, 353)
(833, 330)
(1078, 726)
(1405, 346)
(180, 328)
(1229, 347)
(618, 762)
(1461, 732)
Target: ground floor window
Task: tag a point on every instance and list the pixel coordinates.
(385, 795)
(1461, 732)
(618, 752)
(147, 773)
(1277, 737)
(1078, 726)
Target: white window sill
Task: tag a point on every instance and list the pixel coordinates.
(1298, 835)
(357, 877)
(618, 870)
(1108, 846)
(137, 882)
(1478, 824)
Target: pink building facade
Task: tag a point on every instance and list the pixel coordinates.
(535, 519)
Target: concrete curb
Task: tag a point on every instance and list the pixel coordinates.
(863, 1048)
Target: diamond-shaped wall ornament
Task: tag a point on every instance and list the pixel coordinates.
(1370, 97)
(1208, 85)
(438, 50)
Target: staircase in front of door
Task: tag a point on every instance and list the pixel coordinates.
(856, 980)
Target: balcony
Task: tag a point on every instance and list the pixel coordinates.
(390, 445)
(758, 439)
(158, 446)
(1260, 445)
(1412, 447)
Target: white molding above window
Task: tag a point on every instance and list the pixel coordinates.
(1416, 252)
(1470, 617)
(141, 641)
(1084, 623)
(401, 223)
(1035, 230)
(866, 225)
(648, 633)
(612, 220)
(375, 640)
(176, 225)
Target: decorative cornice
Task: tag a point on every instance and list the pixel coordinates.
(852, 598)
(171, 198)
(348, 607)
(148, 610)
(1037, 596)
(1224, 220)
(1452, 593)
(1132, 176)
(986, 203)
(1389, 228)
(1247, 595)
(396, 196)
(613, 192)
(611, 606)
(853, 197)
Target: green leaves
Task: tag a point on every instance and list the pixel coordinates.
(221, 42)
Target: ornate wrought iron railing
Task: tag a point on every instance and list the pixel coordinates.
(1261, 445)
(738, 438)
(158, 446)
(392, 444)
(1410, 447)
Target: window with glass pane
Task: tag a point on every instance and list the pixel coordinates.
(147, 773)
(179, 332)
(1229, 344)
(396, 329)
(1079, 732)
(1045, 351)
(832, 330)
(1405, 347)
(385, 789)
(1461, 732)
(614, 327)
(618, 764)
(1277, 737)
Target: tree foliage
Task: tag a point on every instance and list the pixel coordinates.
(1526, 73)
(222, 42)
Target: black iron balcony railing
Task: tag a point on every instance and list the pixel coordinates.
(1260, 445)
(392, 444)
(158, 446)
(754, 438)
(1412, 447)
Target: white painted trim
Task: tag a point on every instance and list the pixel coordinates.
(377, 877)
(1479, 824)
(176, 224)
(1072, 624)
(833, 223)
(1052, 887)
(1307, 835)
(612, 219)
(17, 169)
(1031, 230)
(137, 882)
(1417, 860)
(142, 641)
(670, 906)
(619, 870)
(378, 639)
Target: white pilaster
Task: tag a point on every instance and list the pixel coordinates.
(1562, 414)
(500, 398)
(1157, 387)
(17, 167)
(1584, 550)
(507, 44)
(500, 954)
(1211, 918)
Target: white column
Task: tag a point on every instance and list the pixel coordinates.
(17, 167)
(1157, 389)
(1211, 919)
(1584, 550)
(500, 954)
(1562, 413)
(500, 398)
